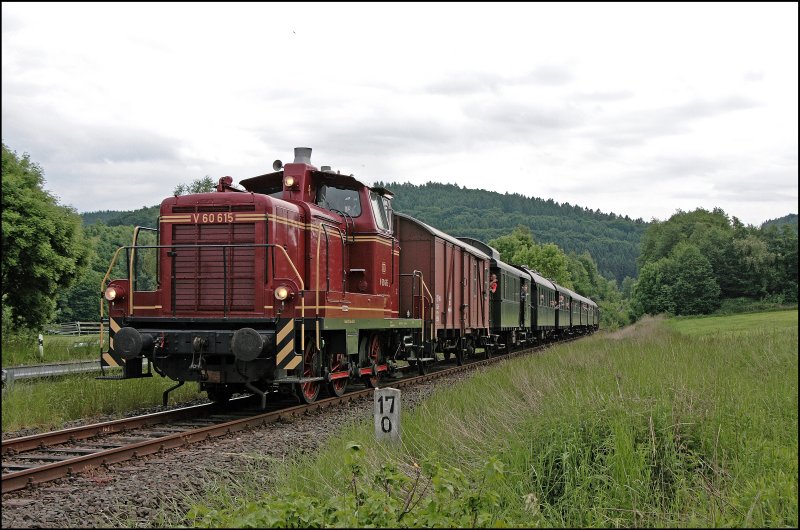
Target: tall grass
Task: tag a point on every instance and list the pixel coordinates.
(23, 349)
(49, 403)
(662, 425)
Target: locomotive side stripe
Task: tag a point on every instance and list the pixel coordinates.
(250, 217)
(240, 217)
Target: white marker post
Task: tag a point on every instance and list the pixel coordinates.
(387, 414)
(41, 347)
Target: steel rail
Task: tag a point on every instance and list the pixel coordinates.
(35, 441)
(45, 473)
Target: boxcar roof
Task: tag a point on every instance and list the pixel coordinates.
(438, 233)
(483, 247)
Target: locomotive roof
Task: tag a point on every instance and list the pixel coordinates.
(267, 182)
(438, 233)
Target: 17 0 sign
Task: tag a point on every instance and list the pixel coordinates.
(387, 414)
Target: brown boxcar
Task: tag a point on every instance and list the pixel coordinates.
(454, 278)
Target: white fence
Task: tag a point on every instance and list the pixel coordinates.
(77, 328)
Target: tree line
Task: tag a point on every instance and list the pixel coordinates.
(694, 261)
(54, 260)
(611, 239)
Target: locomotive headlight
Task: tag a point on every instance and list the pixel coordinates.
(288, 182)
(282, 293)
(113, 293)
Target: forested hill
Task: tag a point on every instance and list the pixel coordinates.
(145, 216)
(613, 241)
(790, 220)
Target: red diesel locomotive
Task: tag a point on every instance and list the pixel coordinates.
(303, 281)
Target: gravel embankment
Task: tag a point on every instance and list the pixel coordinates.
(128, 494)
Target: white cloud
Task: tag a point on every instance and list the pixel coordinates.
(637, 109)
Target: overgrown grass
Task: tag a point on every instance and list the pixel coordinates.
(23, 349)
(781, 321)
(662, 425)
(51, 402)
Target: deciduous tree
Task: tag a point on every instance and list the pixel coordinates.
(44, 249)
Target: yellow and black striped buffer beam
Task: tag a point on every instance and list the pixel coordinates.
(111, 358)
(287, 357)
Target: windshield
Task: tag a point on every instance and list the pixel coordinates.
(339, 199)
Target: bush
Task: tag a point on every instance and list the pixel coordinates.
(426, 496)
(733, 306)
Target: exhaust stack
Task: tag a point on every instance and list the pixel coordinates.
(302, 155)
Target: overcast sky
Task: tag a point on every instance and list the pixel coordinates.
(636, 109)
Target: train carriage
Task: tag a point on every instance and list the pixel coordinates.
(563, 311)
(581, 305)
(445, 283)
(510, 316)
(574, 306)
(542, 305)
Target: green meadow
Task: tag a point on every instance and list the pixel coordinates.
(24, 349)
(677, 423)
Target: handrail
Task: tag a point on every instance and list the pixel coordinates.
(131, 259)
(102, 291)
(430, 297)
(423, 285)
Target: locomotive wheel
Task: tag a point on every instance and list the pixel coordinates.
(309, 392)
(338, 364)
(374, 355)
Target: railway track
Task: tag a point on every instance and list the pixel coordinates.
(40, 458)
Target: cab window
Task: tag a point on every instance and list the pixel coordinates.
(341, 200)
(380, 211)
